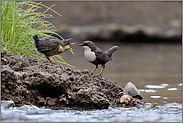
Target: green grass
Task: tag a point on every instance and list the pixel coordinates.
(19, 22)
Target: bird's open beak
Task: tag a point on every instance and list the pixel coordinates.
(80, 45)
(70, 45)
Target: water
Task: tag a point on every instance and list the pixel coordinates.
(171, 112)
(155, 69)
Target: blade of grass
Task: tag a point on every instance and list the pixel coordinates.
(19, 22)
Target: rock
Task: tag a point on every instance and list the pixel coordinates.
(7, 104)
(130, 89)
(125, 99)
(130, 95)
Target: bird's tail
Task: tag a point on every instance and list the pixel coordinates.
(112, 50)
(35, 37)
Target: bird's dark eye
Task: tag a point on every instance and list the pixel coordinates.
(67, 43)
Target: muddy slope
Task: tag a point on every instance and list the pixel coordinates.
(25, 81)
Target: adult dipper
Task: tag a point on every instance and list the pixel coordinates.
(50, 46)
(96, 56)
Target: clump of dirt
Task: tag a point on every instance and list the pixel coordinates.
(25, 81)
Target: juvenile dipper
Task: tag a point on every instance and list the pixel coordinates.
(50, 46)
(96, 56)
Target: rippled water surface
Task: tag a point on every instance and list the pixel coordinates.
(171, 112)
(155, 69)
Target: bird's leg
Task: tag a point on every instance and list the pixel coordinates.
(50, 60)
(103, 67)
(94, 69)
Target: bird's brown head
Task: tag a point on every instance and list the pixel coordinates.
(89, 44)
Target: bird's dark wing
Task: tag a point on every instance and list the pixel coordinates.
(48, 44)
(105, 56)
(101, 55)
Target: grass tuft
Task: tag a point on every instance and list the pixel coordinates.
(19, 22)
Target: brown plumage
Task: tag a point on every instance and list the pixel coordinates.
(97, 56)
(50, 46)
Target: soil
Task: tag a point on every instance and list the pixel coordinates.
(26, 81)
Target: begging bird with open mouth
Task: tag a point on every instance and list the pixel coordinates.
(51, 46)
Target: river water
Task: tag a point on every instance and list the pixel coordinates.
(155, 69)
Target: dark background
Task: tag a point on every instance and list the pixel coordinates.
(132, 21)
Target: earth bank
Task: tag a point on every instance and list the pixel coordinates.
(26, 82)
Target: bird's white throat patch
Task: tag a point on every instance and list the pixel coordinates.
(89, 55)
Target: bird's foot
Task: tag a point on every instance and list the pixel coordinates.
(52, 62)
(99, 75)
(91, 73)
(55, 63)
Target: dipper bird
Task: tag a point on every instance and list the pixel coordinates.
(96, 56)
(50, 46)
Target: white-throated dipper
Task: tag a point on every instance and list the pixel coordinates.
(50, 46)
(96, 56)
